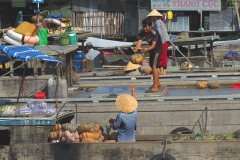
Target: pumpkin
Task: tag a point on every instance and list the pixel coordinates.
(136, 58)
(88, 140)
(139, 59)
(84, 128)
(60, 133)
(97, 135)
(53, 135)
(56, 127)
(90, 135)
(69, 127)
(96, 127)
(213, 85)
(201, 84)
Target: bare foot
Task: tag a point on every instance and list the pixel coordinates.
(164, 71)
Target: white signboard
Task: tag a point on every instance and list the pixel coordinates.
(186, 5)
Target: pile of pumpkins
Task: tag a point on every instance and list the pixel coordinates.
(69, 133)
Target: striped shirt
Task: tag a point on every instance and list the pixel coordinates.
(161, 28)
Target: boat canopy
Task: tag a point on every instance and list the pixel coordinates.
(25, 53)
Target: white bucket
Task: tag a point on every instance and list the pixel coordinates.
(61, 90)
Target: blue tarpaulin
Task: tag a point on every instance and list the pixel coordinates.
(25, 53)
(232, 56)
(55, 16)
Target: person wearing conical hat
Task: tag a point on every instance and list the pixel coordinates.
(158, 24)
(125, 121)
(152, 36)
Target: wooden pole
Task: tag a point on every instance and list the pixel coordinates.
(236, 7)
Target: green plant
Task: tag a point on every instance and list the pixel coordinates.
(197, 137)
(236, 134)
(63, 35)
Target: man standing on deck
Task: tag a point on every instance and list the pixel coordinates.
(126, 119)
(94, 55)
(153, 37)
(162, 30)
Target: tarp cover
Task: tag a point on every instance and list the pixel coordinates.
(25, 53)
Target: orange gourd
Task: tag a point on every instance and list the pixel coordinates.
(96, 127)
(60, 133)
(56, 127)
(97, 135)
(136, 58)
(139, 59)
(53, 135)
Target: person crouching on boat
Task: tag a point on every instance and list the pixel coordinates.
(158, 24)
(94, 55)
(125, 121)
(153, 37)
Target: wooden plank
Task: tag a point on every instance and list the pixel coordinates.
(55, 50)
(206, 38)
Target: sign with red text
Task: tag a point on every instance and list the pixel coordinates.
(186, 5)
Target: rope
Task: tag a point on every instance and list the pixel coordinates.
(198, 121)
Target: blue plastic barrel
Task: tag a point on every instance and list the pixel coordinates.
(78, 56)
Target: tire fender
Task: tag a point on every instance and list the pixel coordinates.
(11, 41)
(15, 36)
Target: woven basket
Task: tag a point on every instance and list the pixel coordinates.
(201, 84)
(213, 85)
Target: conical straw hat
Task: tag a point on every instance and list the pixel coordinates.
(126, 103)
(130, 66)
(154, 13)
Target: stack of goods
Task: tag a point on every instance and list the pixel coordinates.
(11, 109)
(89, 133)
(69, 133)
(37, 108)
(56, 133)
(23, 34)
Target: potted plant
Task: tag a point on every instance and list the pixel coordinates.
(64, 38)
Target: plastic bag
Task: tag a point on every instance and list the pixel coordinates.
(38, 104)
(44, 111)
(24, 110)
(9, 110)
